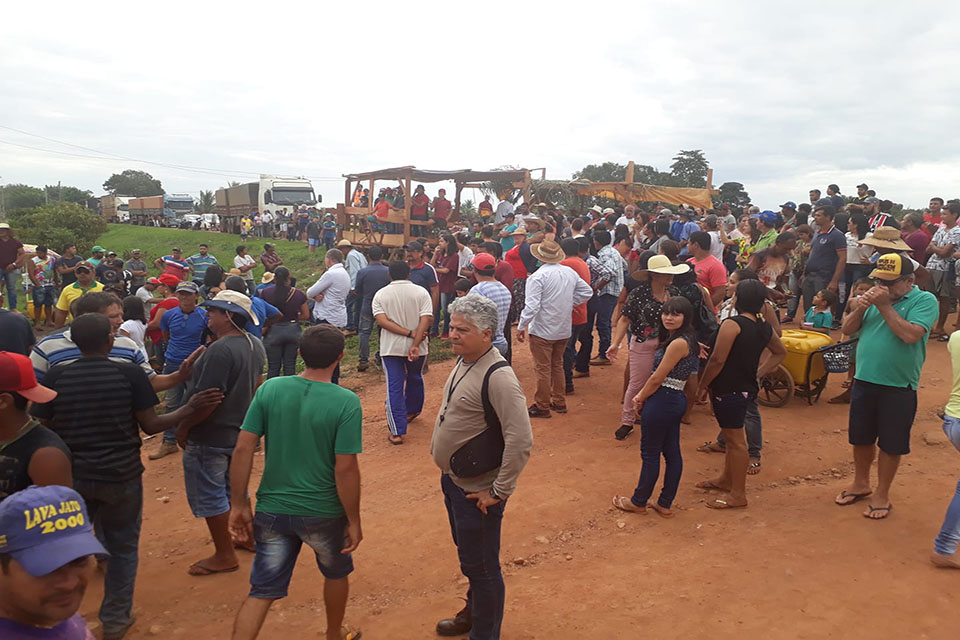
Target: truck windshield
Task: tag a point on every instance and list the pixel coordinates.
(180, 205)
(293, 196)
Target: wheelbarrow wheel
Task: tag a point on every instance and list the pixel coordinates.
(776, 388)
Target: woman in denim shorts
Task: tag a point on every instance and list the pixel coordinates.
(731, 377)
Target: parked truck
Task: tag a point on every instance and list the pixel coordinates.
(164, 211)
(115, 208)
(277, 194)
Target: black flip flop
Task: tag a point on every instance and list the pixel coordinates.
(872, 510)
(857, 497)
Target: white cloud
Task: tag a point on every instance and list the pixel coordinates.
(780, 97)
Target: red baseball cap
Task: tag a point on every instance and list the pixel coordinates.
(16, 374)
(169, 279)
(484, 262)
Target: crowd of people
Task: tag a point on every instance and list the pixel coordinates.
(700, 297)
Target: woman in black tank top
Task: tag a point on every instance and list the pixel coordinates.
(731, 377)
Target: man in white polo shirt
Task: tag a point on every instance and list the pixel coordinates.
(404, 311)
(330, 293)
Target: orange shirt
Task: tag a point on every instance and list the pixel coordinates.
(578, 265)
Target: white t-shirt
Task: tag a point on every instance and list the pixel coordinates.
(716, 245)
(242, 261)
(855, 250)
(627, 221)
(147, 296)
(405, 303)
(136, 330)
(466, 255)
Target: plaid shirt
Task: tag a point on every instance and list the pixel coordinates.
(614, 266)
(598, 270)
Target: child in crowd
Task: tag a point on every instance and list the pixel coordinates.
(462, 287)
(820, 317)
(661, 404)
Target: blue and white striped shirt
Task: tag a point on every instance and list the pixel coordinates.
(59, 348)
(501, 297)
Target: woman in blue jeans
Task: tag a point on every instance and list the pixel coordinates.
(282, 339)
(731, 378)
(661, 404)
(446, 260)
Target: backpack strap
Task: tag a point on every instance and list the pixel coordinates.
(489, 415)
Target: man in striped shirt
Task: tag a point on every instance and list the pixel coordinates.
(174, 264)
(484, 266)
(99, 409)
(59, 348)
(199, 263)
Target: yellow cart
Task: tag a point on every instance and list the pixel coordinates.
(811, 357)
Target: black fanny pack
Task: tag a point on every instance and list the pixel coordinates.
(483, 452)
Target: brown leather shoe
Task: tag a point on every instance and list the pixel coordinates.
(581, 374)
(600, 362)
(166, 449)
(458, 625)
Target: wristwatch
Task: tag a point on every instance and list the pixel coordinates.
(493, 494)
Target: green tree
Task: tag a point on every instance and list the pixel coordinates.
(60, 193)
(57, 224)
(733, 194)
(651, 175)
(21, 196)
(689, 168)
(131, 182)
(206, 203)
(606, 172)
(468, 210)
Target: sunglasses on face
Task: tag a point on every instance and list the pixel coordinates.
(83, 270)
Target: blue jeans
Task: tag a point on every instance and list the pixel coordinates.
(281, 345)
(12, 278)
(367, 326)
(404, 390)
(813, 283)
(279, 538)
(445, 300)
(570, 353)
(44, 296)
(477, 537)
(753, 428)
(172, 398)
(116, 508)
(946, 542)
(660, 436)
(794, 300)
(353, 311)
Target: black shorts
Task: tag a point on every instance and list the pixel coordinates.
(882, 415)
(730, 409)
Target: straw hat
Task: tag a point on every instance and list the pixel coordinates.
(886, 238)
(234, 272)
(267, 278)
(548, 251)
(662, 264)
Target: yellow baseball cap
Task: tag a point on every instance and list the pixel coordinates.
(892, 266)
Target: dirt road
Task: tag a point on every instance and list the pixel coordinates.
(792, 565)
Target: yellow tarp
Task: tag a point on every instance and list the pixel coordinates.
(638, 192)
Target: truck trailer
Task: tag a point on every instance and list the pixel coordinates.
(163, 211)
(277, 194)
(115, 208)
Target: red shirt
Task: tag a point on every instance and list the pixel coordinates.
(503, 273)
(441, 208)
(513, 258)
(156, 335)
(446, 280)
(710, 274)
(577, 264)
(418, 207)
(382, 209)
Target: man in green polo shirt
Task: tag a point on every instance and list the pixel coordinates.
(893, 320)
(767, 223)
(85, 284)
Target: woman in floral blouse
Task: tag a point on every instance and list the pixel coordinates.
(641, 314)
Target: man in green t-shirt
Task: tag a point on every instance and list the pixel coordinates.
(893, 320)
(310, 489)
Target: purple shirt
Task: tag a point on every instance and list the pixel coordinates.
(74, 628)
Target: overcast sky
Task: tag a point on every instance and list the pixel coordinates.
(780, 96)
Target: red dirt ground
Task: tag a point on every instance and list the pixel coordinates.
(792, 565)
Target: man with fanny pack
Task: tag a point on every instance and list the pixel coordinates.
(481, 442)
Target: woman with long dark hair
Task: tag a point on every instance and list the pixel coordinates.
(212, 282)
(282, 337)
(446, 260)
(858, 255)
(661, 404)
(135, 322)
(731, 377)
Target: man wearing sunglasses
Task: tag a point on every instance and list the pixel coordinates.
(85, 284)
(893, 319)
